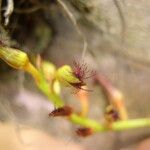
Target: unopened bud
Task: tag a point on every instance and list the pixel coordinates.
(65, 76)
(15, 58)
(48, 70)
(56, 87)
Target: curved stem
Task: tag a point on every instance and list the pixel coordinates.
(43, 85)
(116, 126)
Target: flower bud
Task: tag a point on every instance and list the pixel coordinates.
(48, 70)
(56, 87)
(15, 58)
(65, 76)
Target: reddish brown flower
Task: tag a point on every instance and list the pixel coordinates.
(84, 132)
(62, 111)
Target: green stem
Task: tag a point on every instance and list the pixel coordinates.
(43, 85)
(116, 126)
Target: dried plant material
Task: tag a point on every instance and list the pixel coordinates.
(8, 11)
(73, 20)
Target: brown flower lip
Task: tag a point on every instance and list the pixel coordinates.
(112, 114)
(61, 111)
(84, 132)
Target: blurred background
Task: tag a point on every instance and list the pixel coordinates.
(117, 33)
